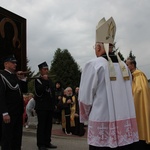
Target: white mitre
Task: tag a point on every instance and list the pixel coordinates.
(105, 33)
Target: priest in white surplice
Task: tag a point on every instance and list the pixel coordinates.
(105, 95)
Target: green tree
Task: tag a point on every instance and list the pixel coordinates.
(65, 69)
(29, 76)
(31, 73)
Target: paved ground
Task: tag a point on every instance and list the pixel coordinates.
(29, 143)
(56, 131)
(64, 142)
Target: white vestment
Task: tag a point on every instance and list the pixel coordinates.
(107, 106)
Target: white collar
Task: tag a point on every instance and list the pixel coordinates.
(8, 71)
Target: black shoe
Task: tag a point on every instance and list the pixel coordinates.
(51, 146)
(42, 148)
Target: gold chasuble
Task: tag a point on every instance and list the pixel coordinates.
(141, 94)
(72, 109)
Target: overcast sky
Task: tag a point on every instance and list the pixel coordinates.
(70, 24)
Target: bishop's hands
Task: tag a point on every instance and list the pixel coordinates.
(69, 101)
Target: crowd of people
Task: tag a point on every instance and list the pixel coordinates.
(113, 97)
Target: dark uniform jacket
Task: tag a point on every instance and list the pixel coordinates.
(11, 88)
(44, 94)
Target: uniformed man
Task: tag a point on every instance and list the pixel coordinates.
(45, 102)
(12, 85)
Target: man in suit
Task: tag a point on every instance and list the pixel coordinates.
(11, 104)
(44, 106)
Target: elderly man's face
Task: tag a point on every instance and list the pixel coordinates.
(69, 92)
(99, 49)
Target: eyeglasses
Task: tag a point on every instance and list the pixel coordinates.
(95, 46)
(110, 46)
